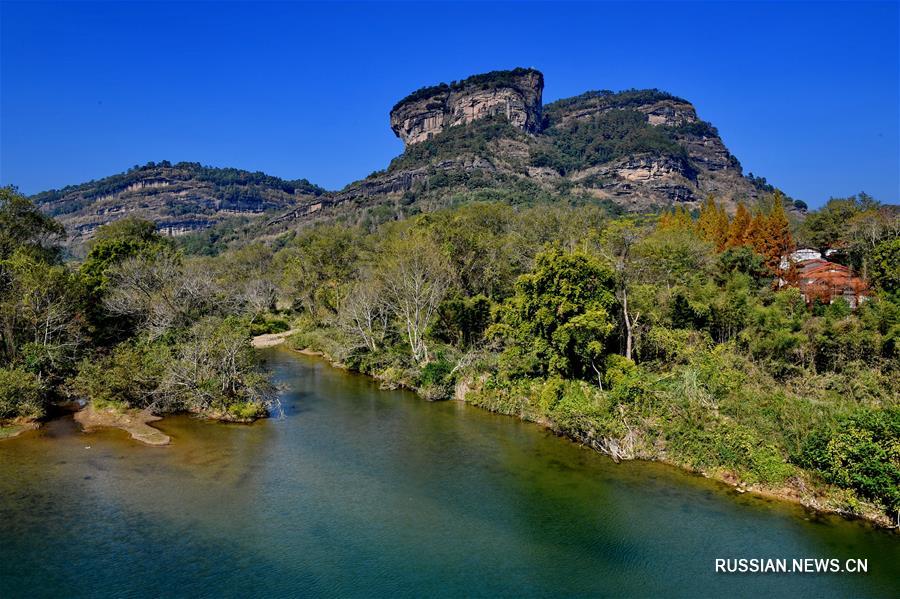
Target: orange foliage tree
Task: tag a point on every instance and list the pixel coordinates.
(712, 224)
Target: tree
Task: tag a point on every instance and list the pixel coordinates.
(318, 267)
(826, 227)
(39, 298)
(364, 312)
(739, 230)
(617, 242)
(214, 371)
(712, 224)
(414, 275)
(884, 266)
(23, 225)
(162, 292)
(558, 320)
(678, 219)
(771, 233)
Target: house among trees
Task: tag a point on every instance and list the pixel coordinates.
(797, 256)
(821, 280)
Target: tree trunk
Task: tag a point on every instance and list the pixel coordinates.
(629, 336)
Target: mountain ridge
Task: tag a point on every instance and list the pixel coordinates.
(487, 137)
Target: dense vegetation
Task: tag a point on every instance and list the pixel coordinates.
(644, 338)
(134, 325)
(658, 336)
(605, 137)
(483, 81)
(605, 99)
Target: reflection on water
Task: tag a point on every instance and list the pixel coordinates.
(365, 492)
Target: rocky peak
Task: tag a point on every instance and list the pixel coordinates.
(659, 108)
(513, 95)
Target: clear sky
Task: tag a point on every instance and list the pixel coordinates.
(805, 94)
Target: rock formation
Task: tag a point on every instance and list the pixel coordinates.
(180, 198)
(512, 95)
(486, 137)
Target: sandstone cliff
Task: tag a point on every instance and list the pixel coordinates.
(513, 95)
(489, 137)
(180, 198)
(486, 138)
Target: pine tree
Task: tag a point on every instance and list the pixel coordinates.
(678, 219)
(739, 230)
(682, 219)
(712, 224)
(776, 240)
(757, 233)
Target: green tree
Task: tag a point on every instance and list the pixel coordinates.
(862, 453)
(559, 318)
(884, 266)
(23, 225)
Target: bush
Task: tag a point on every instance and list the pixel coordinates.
(862, 453)
(436, 372)
(21, 394)
(618, 368)
(129, 376)
(268, 326)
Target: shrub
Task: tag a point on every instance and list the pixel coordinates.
(21, 394)
(269, 325)
(862, 453)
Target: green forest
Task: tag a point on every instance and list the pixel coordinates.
(677, 336)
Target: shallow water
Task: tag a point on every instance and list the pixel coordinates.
(364, 492)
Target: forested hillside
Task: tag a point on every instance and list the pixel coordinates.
(179, 198)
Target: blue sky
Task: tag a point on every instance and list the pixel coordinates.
(805, 94)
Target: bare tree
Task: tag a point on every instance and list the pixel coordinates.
(364, 312)
(616, 244)
(415, 277)
(162, 292)
(215, 368)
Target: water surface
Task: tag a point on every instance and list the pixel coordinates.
(362, 492)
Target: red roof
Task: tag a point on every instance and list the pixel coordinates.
(824, 280)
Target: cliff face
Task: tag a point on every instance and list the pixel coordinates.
(638, 150)
(180, 198)
(511, 95)
(487, 137)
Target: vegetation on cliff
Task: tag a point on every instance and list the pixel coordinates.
(482, 81)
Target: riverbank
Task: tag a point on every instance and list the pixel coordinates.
(270, 339)
(800, 489)
(134, 422)
(12, 430)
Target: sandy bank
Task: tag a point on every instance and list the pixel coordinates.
(270, 339)
(134, 422)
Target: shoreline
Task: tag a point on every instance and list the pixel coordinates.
(14, 429)
(804, 497)
(270, 339)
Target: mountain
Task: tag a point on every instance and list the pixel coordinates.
(490, 137)
(180, 198)
(487, 137)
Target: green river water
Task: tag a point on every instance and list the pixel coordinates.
(364, 492)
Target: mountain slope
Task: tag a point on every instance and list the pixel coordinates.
(490, 137)
(179, 198)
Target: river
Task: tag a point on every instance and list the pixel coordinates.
(363, 492)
